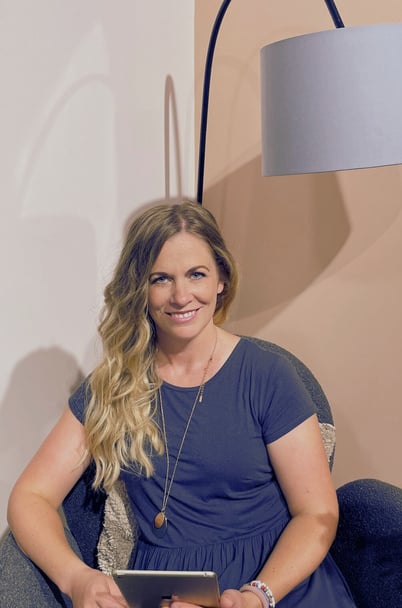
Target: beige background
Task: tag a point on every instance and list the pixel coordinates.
(320, 255)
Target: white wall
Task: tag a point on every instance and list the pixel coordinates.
(85, 131)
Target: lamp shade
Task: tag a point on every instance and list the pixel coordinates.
(332, 100)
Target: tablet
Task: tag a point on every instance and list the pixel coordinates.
(156, 588)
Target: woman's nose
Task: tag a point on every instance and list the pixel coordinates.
(180, 294)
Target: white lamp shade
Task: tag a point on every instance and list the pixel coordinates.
(332, 100)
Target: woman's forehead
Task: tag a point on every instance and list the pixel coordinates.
(184, 248)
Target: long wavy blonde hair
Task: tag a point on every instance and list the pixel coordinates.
(119, 422)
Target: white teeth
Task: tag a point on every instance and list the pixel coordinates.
(182, 315)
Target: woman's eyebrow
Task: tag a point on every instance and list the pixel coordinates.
(167, 274)
(198, 267)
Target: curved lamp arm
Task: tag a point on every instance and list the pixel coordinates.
(205, 97)
(336, 18)
(207, 81)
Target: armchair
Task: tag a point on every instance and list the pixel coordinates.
(367, 548)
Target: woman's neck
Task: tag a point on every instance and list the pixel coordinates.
(183, 362)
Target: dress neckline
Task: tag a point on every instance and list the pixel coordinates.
(227, 362)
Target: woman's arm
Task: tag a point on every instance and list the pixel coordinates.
(304, 476)
(302, 470)
(37, 527)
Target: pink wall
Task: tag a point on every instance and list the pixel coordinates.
(320, 255)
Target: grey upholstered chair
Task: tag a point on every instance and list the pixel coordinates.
(368, 546)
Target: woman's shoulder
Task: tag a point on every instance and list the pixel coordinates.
(256, 358)
(80, 398)
(263, 352)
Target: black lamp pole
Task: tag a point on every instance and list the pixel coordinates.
(207, 81)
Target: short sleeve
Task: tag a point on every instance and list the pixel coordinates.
(287, 404)
(79, 400)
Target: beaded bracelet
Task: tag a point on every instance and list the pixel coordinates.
(262, 590)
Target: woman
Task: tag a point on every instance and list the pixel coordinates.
(216, 440)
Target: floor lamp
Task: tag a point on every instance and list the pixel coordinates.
(330, 100)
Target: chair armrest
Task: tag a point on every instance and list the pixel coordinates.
(368, 544)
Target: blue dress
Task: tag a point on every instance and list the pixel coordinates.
(226, 510)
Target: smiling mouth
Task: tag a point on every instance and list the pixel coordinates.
(183, 316)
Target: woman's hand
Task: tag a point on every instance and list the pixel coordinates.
(237, 599)
(231, 598)
(93, 589)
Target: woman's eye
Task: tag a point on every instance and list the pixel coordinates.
(161, 279)
(197, 274)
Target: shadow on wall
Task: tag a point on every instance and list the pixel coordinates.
(35, 398)
(283, 232)
(171, 131)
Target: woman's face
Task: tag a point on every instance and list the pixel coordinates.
(183, 288)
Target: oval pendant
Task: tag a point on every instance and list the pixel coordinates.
(159, 520)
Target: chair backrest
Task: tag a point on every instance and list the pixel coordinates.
(84, 508)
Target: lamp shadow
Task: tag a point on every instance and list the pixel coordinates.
(283, 232)
(171, 128)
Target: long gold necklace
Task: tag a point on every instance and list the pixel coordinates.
(160, 519)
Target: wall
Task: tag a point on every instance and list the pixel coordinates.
(320, 256)
(96, 122)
